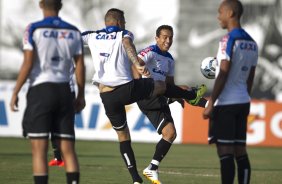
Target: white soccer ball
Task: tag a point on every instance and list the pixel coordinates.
(208, 67)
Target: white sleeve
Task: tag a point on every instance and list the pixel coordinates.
(146, 55)
(28, 42)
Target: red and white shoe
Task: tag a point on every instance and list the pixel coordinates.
(55, 162)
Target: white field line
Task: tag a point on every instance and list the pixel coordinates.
(188, 174)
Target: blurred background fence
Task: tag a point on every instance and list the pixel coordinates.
(196, 36)
(196, 33)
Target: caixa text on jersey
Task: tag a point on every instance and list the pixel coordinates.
(58, 34)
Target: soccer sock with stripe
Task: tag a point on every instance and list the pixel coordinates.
(40, 179)
(227, 168)
(243, 169)
(72, 177)
(173, 91)
(129, 159)
(162, 148)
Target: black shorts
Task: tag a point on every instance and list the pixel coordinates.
(49, 110)
(228, 124)
(157, 110)
(115, 101)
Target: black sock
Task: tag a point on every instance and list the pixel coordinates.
(227, 168)
(162, 148)
(57, 154)
(244, 169)
(173, 91)
(40, 179)
(129, 159)
(56, 150)
(72, 177)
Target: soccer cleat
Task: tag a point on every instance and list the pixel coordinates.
(136, 182)
(55, 162)
(152, 175)
(200, 91)
(62, 164)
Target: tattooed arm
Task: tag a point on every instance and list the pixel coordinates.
(132, 55)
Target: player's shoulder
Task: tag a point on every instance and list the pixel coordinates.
(127, 32)
(146, 50)
(68, 25)
(158, 51)
(154, 49)
(85, 33)
(240, 33)
(53, 22)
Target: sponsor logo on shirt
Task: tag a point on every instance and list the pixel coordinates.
(58, 34)
(248, 46)
(104, 54)
(57, 58)
(244, 68)
(158, 71)
(106, 36)
(145, 51)
(26, 34)
(224, 43)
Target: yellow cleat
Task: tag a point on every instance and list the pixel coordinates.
(200, 91)
(152, 175)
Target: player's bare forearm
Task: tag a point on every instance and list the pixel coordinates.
(80, 74)
(131, 51)
(251, 79)
(220, 80)
(25, 70)
(80, 79)
(22, 77)
(218, 86)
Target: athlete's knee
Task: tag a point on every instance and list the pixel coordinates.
(123, 135)
(240, 150)
(225, 149)
(160, 88)
(169, 132)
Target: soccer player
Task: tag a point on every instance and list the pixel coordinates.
(57, 159)
(50, 47)
(160, 64)
(113, 54)
(229, 104)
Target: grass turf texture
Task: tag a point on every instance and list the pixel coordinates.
(100, 163)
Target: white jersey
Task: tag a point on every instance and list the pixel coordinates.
(158, 63)
(241, 50)
(111, 63)
(56, 43)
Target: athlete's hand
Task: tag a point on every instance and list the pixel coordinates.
(207, 112)
(14, 103)
(142, 70)
(79, 104)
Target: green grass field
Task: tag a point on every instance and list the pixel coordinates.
(100, 163)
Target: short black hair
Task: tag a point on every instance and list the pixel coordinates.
(114, 13)
(52, 4)
(236, 6)
(162, 27)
